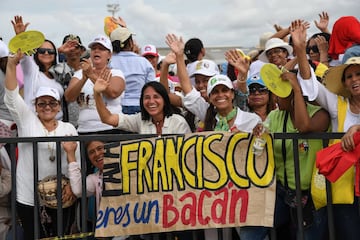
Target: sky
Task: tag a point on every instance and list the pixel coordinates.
(216, 22)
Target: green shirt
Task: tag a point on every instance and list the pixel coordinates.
(307, 149)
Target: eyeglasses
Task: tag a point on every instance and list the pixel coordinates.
(260, 90)
(44, 50)
(276, 51)
(52, 104)
(313, 48)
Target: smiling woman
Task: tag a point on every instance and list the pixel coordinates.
(81, 85)
(156, 117)
(36, 68)
(40, 124)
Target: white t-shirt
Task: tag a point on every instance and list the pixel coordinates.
(89, 119)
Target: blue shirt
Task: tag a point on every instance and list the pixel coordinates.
(137, 71)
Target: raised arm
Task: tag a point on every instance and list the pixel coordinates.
(241, 64)
(177, 46)
(319, 122)
(323, 23)
(105, 115)
(10, 79)
(298, 34)
(169, 59)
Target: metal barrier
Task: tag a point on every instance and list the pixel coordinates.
(116, 138)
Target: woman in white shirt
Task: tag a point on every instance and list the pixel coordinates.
(156, 117)
(81, 86)
(40, 124)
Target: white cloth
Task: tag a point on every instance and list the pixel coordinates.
(246, 121)
(89, 119)
(175, 124)
(195, 103)
(329, 101)
(33, 79)
(29, 125)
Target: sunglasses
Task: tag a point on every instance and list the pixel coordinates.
(44, 50)
(260, 90)
(313, 48)
(52, 104)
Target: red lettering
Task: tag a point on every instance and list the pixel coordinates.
(203, 221)
(168, 206)
(220, 205)
(235, 196)
(186, 212)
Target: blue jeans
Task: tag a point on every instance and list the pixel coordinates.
(131, 109)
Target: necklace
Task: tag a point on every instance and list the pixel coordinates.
(51, 145)
(159, 125)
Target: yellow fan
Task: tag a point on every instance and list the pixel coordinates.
(109, 25)
(270, 74)
(27, 42)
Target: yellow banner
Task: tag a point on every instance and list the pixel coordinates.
(192, 181)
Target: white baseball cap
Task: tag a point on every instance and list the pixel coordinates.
(217, 80)
(48, 91)
(103, 40)
(205, 67)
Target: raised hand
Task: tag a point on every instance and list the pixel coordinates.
(103, 81)
(291, 78)
(68, 46)
(19, 25)
(298, 32)
(69, 146)
(323, 23)
(175, 43)
(13, 60)
(119, 21)
(239, 62)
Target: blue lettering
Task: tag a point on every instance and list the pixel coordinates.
(118, 216)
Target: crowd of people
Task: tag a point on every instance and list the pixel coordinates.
(113, 86)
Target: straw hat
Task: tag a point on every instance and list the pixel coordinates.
(333, 78)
